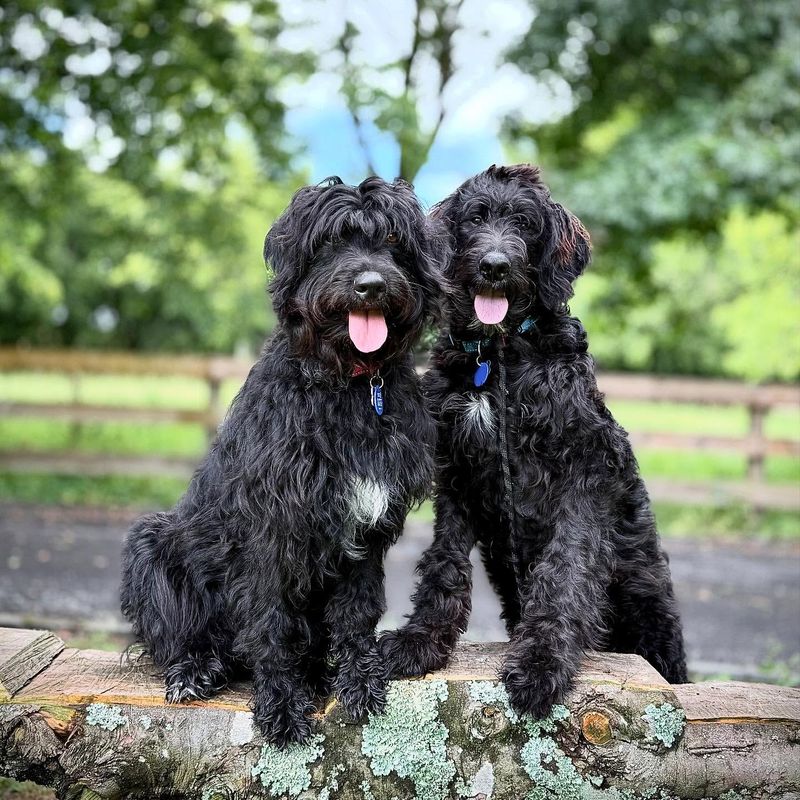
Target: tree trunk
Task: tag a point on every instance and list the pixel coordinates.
(93, 727)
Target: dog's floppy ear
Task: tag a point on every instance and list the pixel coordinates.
(442, 213)
(441, 219)
(431, 250)
(285, 247)
(565, 254)
(439, 254)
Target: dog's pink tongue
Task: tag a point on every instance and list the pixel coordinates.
(490, 310)
(367, 330)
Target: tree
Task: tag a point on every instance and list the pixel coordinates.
(428, 62)
(681, 113)
(143, 157)
(101, 263)
(125, 82)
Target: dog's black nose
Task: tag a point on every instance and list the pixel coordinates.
(494, 266)
(369, 285)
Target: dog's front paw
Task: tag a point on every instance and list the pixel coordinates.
(535, 685)
(360, 697)
(194, 678)
(283, 719)
(360, 684)
(410, 654)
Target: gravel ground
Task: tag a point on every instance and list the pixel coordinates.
(740, 600)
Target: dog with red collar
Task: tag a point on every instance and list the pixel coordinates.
(272, 561)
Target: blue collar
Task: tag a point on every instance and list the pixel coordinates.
(474, 345)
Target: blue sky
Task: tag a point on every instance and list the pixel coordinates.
(329, 138)
(483, 89)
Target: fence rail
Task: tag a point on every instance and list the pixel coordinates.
(213, 370)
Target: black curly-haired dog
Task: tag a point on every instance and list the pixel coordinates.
(273, 559)
(531, 466)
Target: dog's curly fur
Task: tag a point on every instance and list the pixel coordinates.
(573, 553)
(273, 559)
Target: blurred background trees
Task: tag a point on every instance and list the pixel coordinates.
(143, 154)
(681, 152)
(145, 149)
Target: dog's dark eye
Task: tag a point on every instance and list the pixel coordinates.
(392, 238)
(477, 219)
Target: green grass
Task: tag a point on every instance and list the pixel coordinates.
(102, 437)
(110, 490)
(96, 640)
(729, 521)
(782, 423)
(122, 390)
(23, 790)
(701, 465)
(189, 441)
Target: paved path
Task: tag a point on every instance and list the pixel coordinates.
(740, 601)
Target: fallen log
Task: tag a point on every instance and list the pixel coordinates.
(92, 725)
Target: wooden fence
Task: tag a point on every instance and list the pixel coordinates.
(213, 370)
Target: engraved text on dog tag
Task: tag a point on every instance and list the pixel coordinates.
(376, 394)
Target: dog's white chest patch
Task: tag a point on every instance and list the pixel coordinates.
(478, 415)
(369, 501)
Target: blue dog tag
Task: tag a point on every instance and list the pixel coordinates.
(482, 373)
(376, 396)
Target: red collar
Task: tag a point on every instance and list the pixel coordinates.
(361, 369)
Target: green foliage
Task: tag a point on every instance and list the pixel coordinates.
(137, 142)
(24, 790)
(763, 261)
(727, 307)
(125, 82)
(102, 264)
(681, 132)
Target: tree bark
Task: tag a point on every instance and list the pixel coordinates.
(93, 726)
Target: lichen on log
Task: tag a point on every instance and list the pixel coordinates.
(93, 728)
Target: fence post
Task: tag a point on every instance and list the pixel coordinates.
(214, 410)
(76, 426)
(755, 459)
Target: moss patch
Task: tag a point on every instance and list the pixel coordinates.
(328, 792)
(665, 723)
(551, 770)
(410, 740)
(286, 771)
(100, 715)
(491, 693)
